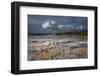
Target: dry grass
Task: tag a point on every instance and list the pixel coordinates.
(80, 52)
(46, 54)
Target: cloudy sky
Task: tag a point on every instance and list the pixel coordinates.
(55, 24)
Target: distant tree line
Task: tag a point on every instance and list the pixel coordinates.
(73, 33)
(63, 33)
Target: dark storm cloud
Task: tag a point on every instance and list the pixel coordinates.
(56, 24)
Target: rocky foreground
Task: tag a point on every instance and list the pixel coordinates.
(54, 50)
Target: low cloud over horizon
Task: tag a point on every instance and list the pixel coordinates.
(56, 24)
